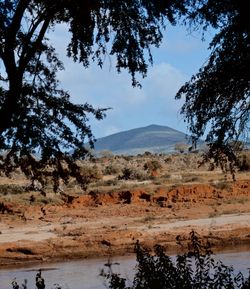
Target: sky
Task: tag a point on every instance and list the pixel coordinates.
(180, 55)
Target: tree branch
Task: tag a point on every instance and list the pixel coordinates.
(25, 58)
(16, 21)
(33, 26)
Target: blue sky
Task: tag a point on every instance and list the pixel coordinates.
(180, 55)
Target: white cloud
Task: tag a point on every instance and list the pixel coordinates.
(164, 80)
(132, 107)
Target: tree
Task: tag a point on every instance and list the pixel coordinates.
(217, 98)
(36, 115)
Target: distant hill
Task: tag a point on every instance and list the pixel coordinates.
(152, 138)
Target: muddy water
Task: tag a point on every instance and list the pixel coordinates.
(82, 274)
(85, 274)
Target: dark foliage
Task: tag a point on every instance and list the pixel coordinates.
(36, 115)
(217, 98)
(194, 269)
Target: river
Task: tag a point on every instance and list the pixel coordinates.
(84, 274)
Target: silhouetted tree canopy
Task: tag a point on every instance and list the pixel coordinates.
(36, 115)
(217, 98)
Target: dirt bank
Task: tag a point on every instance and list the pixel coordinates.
(99, 224)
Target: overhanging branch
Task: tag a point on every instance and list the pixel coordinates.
(24, 60)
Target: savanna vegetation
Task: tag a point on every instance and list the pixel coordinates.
(38, 116)
(117, 172)
(113, 176)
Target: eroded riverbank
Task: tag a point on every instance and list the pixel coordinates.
(110, 223)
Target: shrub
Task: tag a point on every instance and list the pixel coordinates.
(133, 174)
(152, 165)
(11, 189)
(111, 169)
(91, 173)
(244, 162)
(191, 270)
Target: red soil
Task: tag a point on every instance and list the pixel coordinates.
(98, 224)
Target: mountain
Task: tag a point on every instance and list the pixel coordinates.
(152, 138)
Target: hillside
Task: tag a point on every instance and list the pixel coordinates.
(152, 138)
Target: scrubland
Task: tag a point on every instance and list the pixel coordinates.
(153, 198)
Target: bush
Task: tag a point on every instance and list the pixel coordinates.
(244, 163)
(91, 173)
(111, 169)
(133, 174)
(152, 165)
(192, 270)
(11, 189)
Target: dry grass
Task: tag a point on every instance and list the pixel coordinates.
(172, 169)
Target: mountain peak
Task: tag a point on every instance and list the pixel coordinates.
(159, 127)
(153, 138)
